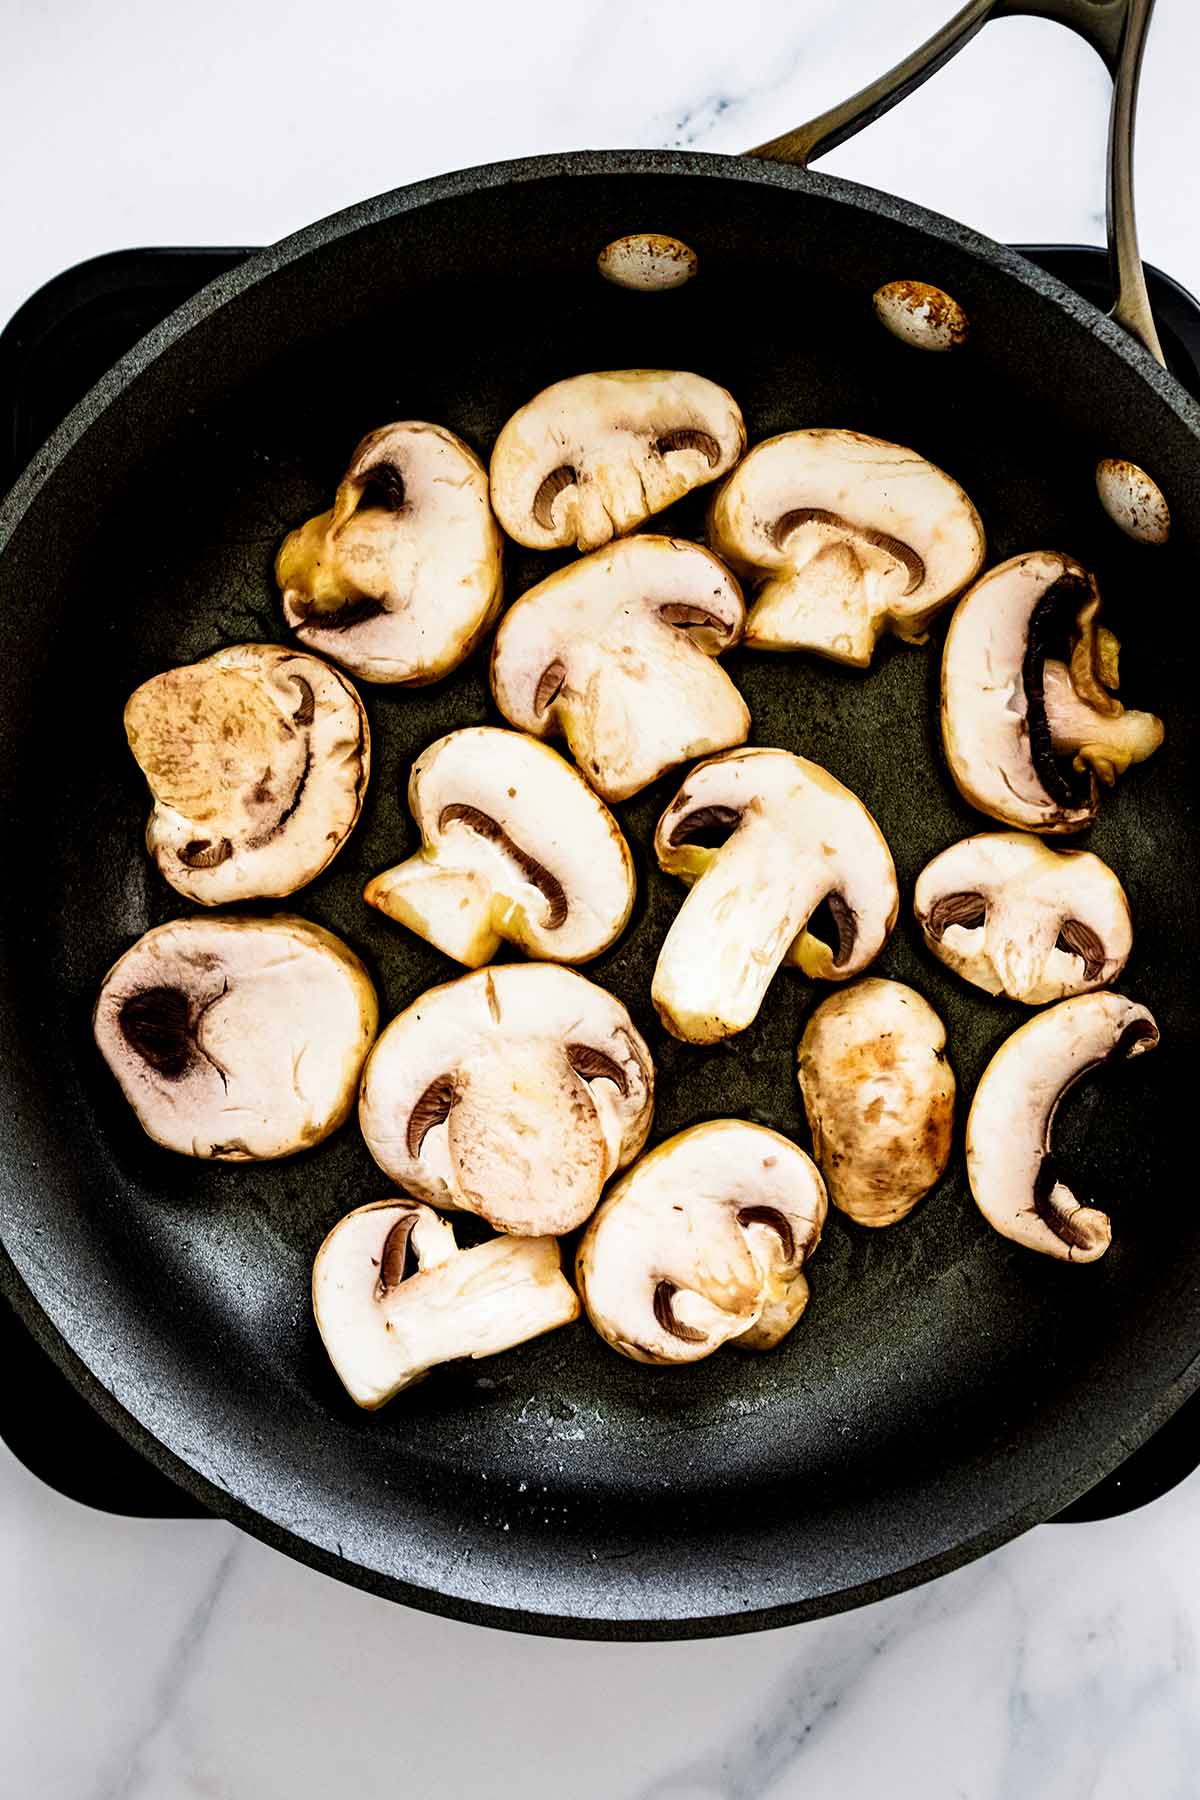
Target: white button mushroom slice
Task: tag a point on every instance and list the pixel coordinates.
(516, 847)
(617, 653)
(237, 1038)
(763, 838)
(386, 1323)
(922, 315)
(1012, 1172)
(401, 578)
(514, 1093)
(879, 1096)
(1133, 500)
(647, 262)
(591, 457)
(1012, 916)
(257, 759)
(846, 536)
(703, 1241)
(1010, 716)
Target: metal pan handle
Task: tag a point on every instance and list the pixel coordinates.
(1116, 29)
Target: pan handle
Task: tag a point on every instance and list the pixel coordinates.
(1116, 29)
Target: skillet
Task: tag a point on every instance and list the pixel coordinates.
(946, 1389)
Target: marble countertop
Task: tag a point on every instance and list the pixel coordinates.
(183, 1661)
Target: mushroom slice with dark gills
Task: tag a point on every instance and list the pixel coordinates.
(617, 653)
(704, 1241)
(1030, 717)
(400, 579)
(394, 1296)
(257, 759)
(515, 847)
(1014, 917)
(514, 1093)
(590, 458)
(1010, 1164)
(763, 839)
(879, 1096)
(846, 536)
(237, 1038)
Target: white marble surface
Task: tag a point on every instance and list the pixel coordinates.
(182, 1661)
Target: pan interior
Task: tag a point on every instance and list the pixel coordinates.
(944, 1385)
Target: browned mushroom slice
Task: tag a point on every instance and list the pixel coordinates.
(845, 536)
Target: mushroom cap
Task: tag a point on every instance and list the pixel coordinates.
(704, 1240)
(1014, 917)
(385, 1326)
(258, 759)
(589, 458)
(793, 837)
(846, 535)
(617, 653)
(879, 1096)
(1010, 712)
(513, 1093)
(237, 1038)
(515, 846)
(401, 578)
(1013, 1177)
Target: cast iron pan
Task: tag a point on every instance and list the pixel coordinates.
(946, 1389)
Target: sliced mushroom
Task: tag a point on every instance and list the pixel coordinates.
(393, 1297)
(1010, 1165)
(257, 759)
(1015, 917)
(237, 1038)
(703, 1241)
(763, 838)
(399, 581)
(879, 1096)
(589, 458)
(514, 1093)
(922, 315)
(1012, 713)
(617, 653)
(846, 536)
(515, 846)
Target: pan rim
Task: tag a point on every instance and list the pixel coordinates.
(21, 1291)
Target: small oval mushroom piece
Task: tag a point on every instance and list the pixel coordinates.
(237, 1038)
(617, 653)
(763, 838)
(922, 315)
(1013, 713)
(647, 262)
(879, 1096)
(1014, 917)
(514, 1093)
(591, 457)
(703, 1241)
(1010, 1166)
(393, 1296)
(515, 847)
(846, 536)
(257, 759)
(400, 579)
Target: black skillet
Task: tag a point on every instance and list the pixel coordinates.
(946, 1389)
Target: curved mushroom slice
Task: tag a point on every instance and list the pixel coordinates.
(1011, 1168)
(257, 759)
(589, 458)
(516, 847)
(879, 1096)
(703, 1241)
(616, 653)
(514, 1093)
(847, 536)
(237, 1038)
(401, 578)
(1011, 712)
(763, 838)
(393, 1296)
(1015, 917)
